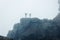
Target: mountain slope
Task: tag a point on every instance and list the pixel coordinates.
(35, 29)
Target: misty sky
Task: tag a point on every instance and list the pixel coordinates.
(12, 10)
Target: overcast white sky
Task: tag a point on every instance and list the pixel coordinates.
(12, 10)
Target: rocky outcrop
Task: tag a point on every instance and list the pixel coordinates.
(35, 29)
(57, 19)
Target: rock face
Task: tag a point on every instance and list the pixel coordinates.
(35, 29)
(5, 38)
(57, 19)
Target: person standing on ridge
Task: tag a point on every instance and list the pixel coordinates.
(25, 15)
(30, 15)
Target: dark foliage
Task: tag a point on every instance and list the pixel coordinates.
(5, 38)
